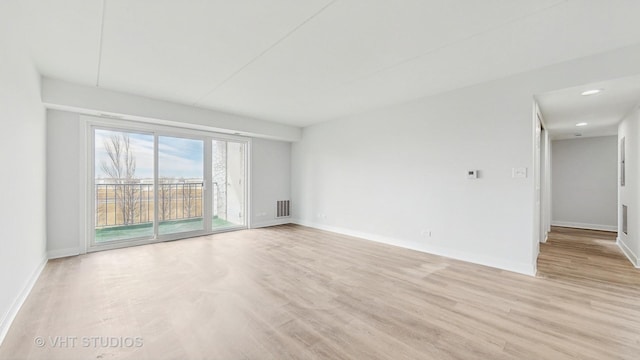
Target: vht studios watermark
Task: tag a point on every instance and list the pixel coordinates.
(89, 341)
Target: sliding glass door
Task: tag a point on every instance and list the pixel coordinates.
(158, 185)
(180, 185)
(123, 183)
(229, 183)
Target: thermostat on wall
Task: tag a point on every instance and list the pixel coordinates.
(472, 174)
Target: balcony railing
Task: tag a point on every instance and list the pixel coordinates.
(120, 204)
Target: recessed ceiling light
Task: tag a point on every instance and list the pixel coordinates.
(582, 124)
(591, 92)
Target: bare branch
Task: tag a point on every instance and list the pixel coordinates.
(120, 166)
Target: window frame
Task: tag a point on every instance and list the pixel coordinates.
(92, 123)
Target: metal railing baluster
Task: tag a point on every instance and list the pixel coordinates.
(182, 200)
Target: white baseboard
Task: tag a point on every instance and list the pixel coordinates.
(576, 225)
(6, 322)
(546, 237)
(521, 268)
(274, 222)
(60, 253)
(635, 259)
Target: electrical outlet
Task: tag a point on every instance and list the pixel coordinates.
(425, 233)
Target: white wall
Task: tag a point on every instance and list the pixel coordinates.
(22, 178)
(63, 183)
(270, 162)
(629, 194)
(397, 174)
(585, 191)
(91, 100)
(271, 180)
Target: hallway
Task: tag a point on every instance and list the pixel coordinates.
(587, 257)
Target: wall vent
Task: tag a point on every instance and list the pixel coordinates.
(283, 208)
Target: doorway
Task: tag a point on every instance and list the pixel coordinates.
(153, 184)
(589, 127)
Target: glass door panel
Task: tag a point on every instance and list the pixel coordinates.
(229, 184)
(123, 186)
(150, 187)
(180, 185)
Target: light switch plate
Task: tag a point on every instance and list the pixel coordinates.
(519, 173)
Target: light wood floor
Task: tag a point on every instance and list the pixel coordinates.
(291, 292)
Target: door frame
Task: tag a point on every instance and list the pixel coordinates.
(87, 178)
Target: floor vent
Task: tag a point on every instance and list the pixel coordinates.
(282, 208)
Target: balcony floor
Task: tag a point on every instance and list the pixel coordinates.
(166, 227)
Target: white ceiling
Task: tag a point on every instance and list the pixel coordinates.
(302, 62)
(563, 109)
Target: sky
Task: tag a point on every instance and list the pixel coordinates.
(177, 157)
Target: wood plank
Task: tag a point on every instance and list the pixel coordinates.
(292, 292)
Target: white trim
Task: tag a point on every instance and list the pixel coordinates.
(576, 225)
(635, 259)
(121, 244)
(160, 129)
(85, 174)
(207, 183)
(60, 253)
(537, 181)
(248, 180)
(6, 322)
(521, 268)
(156, 206)
(274, 222)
